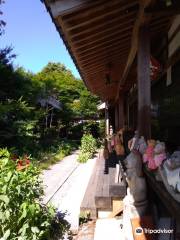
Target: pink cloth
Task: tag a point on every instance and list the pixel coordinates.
(158, 159)
(149, 157)
(151, 164)
(112, 142)
(149, 153)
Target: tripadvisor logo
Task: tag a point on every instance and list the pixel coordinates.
(139, 231)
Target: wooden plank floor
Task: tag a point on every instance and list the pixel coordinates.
(88, 203)
(98, 196)
(102, 198)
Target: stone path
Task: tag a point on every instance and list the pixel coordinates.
(86, 231)
(109, 229)
(65, 184)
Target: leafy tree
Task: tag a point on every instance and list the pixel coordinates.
(2, 23)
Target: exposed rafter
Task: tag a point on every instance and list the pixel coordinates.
(100, 32)
(63, 7)
(119, 20)
(107, 56)
(165, 10)
(70, 25)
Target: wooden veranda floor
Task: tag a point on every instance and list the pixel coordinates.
(102, 188)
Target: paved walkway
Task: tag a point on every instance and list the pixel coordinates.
(65, 184)
(109, 229)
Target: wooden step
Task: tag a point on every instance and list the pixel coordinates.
(116, 189)
(101, 190)
(138, 224)
(117, 208)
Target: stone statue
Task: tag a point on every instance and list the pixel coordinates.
(133, 163)
(136, 192)
(141, 145)
(169, 173)
(172, 170)
(159, 153)
(135, 203)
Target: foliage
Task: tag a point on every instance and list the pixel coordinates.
(2, 22)
(22, 215)
(26, 124)
(88, 148)
(92, 127)
(56, 153)
(84, 217)
(102, 129)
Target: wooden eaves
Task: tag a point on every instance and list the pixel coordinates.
(102, 38)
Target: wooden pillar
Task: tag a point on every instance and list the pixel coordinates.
(107, 119)
(144, 83)
(121, 112)
(116, 117)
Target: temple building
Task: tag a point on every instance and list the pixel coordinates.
(128, 53)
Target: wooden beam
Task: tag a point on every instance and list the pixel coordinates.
(97, 57)
(105, 57)
(70, 25)
(116, 117)
(171, 10)
(144, 83)
(158, 29)
(96, 67)
(106, 43)
(104, 49)
(159, 21)
(105, 62)
(110, 34)
(68, 43)
(63, 7)
(93, 28)
(121, 112)
(93, 70)
(107, 31)
(141, 19)
(98, 7)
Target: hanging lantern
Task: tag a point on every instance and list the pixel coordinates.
(155, 68)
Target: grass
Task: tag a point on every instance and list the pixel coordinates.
(50, 159)
(56, 153)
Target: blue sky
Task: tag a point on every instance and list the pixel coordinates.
(34, 37)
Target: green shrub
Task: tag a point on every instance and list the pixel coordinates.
(56, 153)
(83, 157)
(22, 214)
(84, 217)
(88, 148)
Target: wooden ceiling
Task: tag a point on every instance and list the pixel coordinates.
(102, 38)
